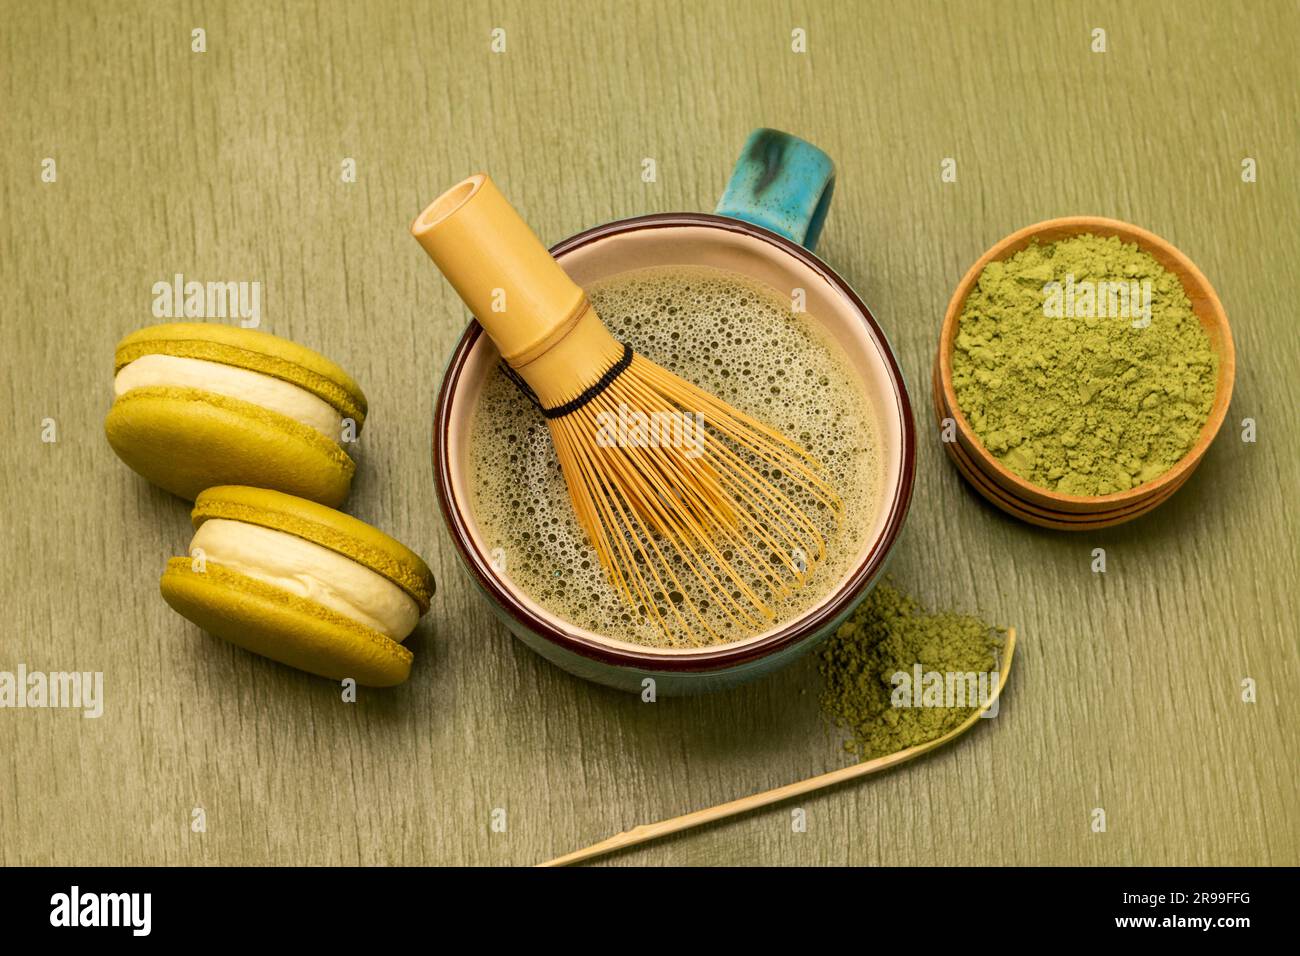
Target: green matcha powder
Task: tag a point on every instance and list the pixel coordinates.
(1072, 382)
(890, 634)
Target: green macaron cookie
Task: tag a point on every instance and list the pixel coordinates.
(300, 583)
(198, 405)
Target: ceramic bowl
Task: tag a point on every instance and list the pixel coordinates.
(772, 212)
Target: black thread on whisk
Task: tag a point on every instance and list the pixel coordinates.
(574, 404)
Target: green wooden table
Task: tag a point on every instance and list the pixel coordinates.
(227, 164)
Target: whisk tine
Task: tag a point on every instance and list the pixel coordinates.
(589, 486)
(647, 509)
(675, 525)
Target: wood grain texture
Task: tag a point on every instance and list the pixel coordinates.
(225, 165)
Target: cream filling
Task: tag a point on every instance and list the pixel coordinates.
(265, 390)
(308, 570)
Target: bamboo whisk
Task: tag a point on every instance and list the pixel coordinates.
(658, 514)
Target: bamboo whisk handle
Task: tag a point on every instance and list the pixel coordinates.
(499, 267)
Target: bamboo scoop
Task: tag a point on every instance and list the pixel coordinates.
(653, 831)
(709, 512)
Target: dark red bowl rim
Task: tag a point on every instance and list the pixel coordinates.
(726, 655)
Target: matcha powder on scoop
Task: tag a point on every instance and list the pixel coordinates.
(889, 635)
(1072, 387)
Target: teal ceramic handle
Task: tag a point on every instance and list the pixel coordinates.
(781, 183)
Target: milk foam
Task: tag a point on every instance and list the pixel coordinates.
(732, 336)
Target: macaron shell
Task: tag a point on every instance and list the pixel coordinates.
(186, 439)
(331, 529)
(282, 626)
(252, 350)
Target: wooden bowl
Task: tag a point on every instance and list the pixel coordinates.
(1123, 505)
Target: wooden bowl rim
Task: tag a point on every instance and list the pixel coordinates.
(1098, 522)
(1165, 252)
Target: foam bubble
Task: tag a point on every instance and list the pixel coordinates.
(730, 335)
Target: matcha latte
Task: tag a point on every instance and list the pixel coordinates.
(733, 337)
